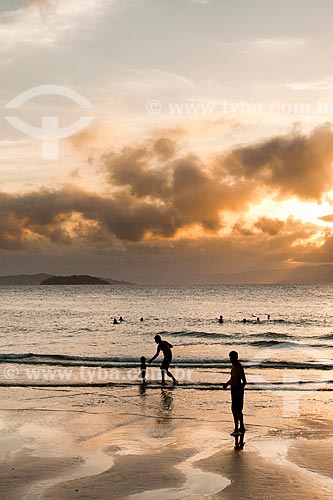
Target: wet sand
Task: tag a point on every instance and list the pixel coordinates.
(20, 470)
(316, 456)
(165, 443)
(255, 478)
(130, 474)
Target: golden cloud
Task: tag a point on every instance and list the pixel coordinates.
(157, 190)
(292, 165)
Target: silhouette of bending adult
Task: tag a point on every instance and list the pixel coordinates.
(165, 347)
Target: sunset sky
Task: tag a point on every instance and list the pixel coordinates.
(211, 147)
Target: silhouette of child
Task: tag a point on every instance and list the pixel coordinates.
(143, 368)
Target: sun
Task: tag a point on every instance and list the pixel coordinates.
(307, 212)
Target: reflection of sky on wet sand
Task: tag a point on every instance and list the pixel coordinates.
(101, 425)
(197, 483)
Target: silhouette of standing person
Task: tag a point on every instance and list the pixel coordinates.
(165, 347)
(237, 382)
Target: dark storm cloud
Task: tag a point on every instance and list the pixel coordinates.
(293, 165)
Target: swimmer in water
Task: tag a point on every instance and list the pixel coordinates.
(221, 320)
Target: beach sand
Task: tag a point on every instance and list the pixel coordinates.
(21, 469)
(161, 443)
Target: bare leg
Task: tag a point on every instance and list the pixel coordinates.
(163, 376)
(171, 376)
(235, 415)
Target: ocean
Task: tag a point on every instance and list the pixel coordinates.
(72, 397)
(57, 327)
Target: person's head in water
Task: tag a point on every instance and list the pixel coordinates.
(143, 360)
(157, 339)
(141, 319)
(233, 355)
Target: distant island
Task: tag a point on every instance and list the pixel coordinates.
(50, 279)
(74, 280)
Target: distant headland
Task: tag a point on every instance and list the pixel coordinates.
(49, 279)
(74, 280)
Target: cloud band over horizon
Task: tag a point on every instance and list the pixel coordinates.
(160, 195)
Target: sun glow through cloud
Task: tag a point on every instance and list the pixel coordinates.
(304, 211)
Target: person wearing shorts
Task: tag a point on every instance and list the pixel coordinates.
(165, 347)
(237, 382)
